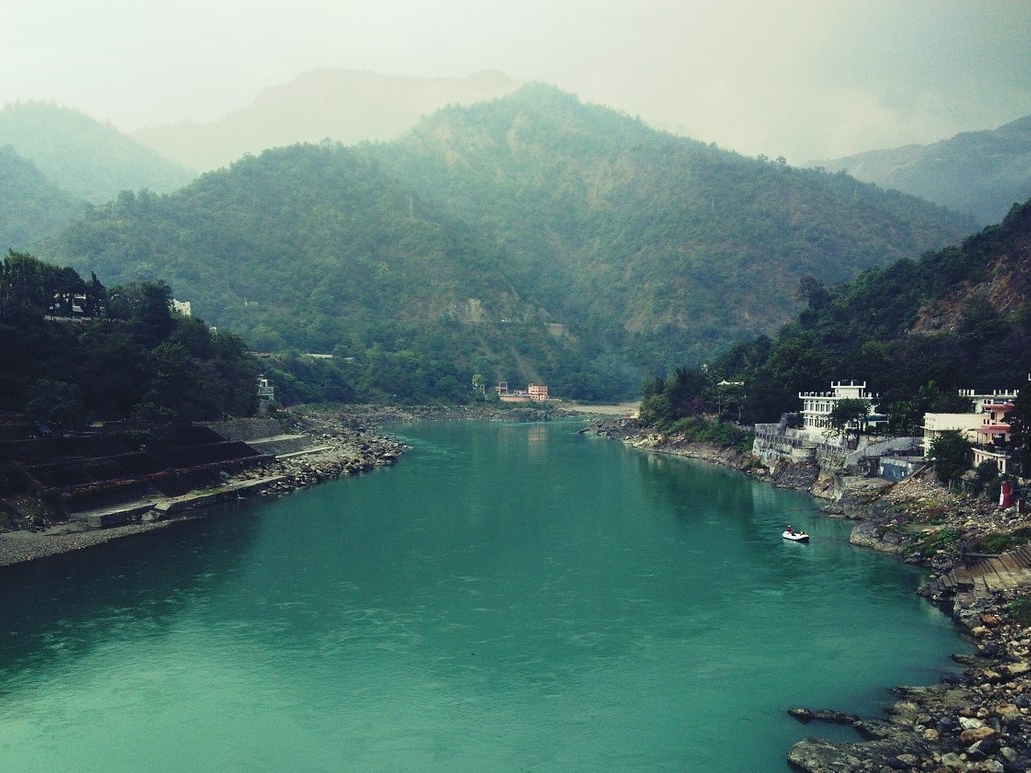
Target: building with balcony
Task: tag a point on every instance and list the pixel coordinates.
(986, 427)
(817, 406)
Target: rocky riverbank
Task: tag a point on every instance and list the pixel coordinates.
(980, 721)
(341, 444)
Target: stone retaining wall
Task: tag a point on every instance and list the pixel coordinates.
(246, 429)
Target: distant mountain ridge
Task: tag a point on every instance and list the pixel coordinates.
(529, 237)
(83, 157)
(344, 105)
(982, 173)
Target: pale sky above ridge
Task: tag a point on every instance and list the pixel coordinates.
(806, 79)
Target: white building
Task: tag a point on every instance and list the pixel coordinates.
(817, 406)
(984, 427)
(266, 392)
(183, 308)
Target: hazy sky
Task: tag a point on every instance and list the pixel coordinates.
(805, 80)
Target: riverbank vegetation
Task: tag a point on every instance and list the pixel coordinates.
(76, 351)
(916, 332)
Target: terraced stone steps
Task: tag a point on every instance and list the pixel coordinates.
(985, 574)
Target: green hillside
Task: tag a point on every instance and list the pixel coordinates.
(531, 238)
(312, 248)
(83, 157)
(31, 207)
(983, 173)
(667, 246)
(100, 354)
(915, 331)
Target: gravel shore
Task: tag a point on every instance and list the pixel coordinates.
(342, 445)
(19, 546)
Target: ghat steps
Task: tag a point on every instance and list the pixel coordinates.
(984, 575)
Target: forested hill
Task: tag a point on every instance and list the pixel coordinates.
(532, 238)
(916, 331)
(670, 247)
(983, 173)
(31, 207)
(312, 248)
(83, 157)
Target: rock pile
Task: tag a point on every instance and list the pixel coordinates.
(980, 722)
(341, 458)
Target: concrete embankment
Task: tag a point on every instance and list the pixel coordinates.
(318, 447)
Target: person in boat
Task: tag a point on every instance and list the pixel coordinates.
(790, 531)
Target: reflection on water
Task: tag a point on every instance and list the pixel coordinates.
(58, 607)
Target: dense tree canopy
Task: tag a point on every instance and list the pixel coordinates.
(950, 456)
(533, 238)
(916, 332)
(111, 355)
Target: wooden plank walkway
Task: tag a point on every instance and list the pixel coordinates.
(987, 574)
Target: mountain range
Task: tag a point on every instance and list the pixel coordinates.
(981, 173)
(531, 237)
(348, 106)
(88, 160)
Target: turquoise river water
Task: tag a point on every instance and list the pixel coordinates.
(507, 598)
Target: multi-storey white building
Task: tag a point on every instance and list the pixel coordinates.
(984, 427)
(817, 406)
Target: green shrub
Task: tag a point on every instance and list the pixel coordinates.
(700, 430)
(942, 539)
(1000, 543)
(1020, 610)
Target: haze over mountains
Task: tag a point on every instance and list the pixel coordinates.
(87, 159)
(982, 173)
(526, 236)
(344, 105)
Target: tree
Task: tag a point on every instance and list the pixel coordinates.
(1020, 431)
(950, 455)
(812, 292)
(57, 402)
(848, 419)
(148, 305)
(23, 286)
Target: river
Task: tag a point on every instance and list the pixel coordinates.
(508, 597)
